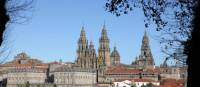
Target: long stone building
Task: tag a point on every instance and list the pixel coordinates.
(74, 77)
(20, 76)
(90, 69)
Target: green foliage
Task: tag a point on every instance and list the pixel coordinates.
(143, 85)
(27, 84)
(149, 85)
(140, 75)
(20, 86)
(133, 85)
(54, 85)
(38, 86)
(172, 18)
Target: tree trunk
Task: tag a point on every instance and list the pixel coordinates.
(4, 18)
(194, 44)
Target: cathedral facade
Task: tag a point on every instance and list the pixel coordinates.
(87, 57)
(86, 53)
(90, 69)
(107, 62)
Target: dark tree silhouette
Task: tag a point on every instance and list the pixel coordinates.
(193, 45)
(12, 11)
(27, 84)
(172, 18)
(176, 19)
(4, 18)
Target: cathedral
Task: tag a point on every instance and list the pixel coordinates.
(87, 57)
(86, 53)
(90, 69)
(107, 62)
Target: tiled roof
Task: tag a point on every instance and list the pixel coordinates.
(33, 69)
(42, 65)
(15, 64)
(171, 83)
(136, 80)
(153, 70)
(125, 70)
(55, 62)
(29, 64)
(65, 68)
(121, 70)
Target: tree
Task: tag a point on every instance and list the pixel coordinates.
(19, 85)
(54, 85)
(133, 85)
(140, 75)
(176, 19)
(143, 85)
(12, 11)
(38, 85)
(27, 84)
(149, 85)
(4, 18)
(172, 18)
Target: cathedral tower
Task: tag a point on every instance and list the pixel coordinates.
(86, 55)
(92, 55)
(115, 57)
(81, 51)
(146, 51)
(104, 49)
(145, 59)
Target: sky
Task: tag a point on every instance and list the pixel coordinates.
(53, 30)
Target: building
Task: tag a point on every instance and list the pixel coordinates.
(22, 60)
(21, 70)
(145, 59)
(173, 72)
(74, 77)
(125, 83)
(171, 83)
(89, 69)
(134, 82)
(120, 72)
(115, 57)
(104, 49)
(20, 76)
(86, 54)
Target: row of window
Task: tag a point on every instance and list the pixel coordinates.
(70, 81)
(26, 74)
(25, 80)
(80, 77)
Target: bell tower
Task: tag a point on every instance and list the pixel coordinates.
(104, 49)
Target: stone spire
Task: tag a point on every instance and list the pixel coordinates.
(115, 57)
(86, 54)
(104, 37)
(145, 59)
(104, 49)
(145, 42)
(145, 48)
(82, 42)
(92, 49)
(92, 55)
(91, 45)
(146, 51)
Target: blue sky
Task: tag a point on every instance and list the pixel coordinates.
(54, 29)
